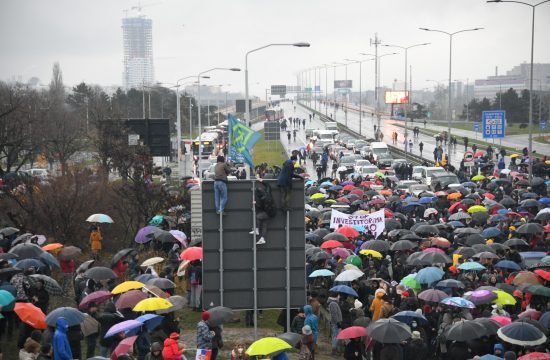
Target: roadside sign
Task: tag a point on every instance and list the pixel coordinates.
(468, 158)
(543, 124)
(429, 114)
(494, 124)
(278, 90)
(476, 126)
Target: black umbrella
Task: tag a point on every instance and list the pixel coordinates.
(220, 315)
(7, 231)
(415, 259)
(426, 230)
(515, 242)
(392, 224)
(50, 285)
(506, 288)
(450, 283)
(121, 254)
(530, 228)
(291, 338)
(508, 201)
(23, 238)
(100, 273)
(482, 247)
(311, 251)
(491, 326)
(8, 256)
(178, 302)
(480, 217)
(84, 266)
(26, 251)
(465, 251)
(529, 203)
(411, 236)
(320, 256)
(69, 252)
(162, 283)
(544, 216)
(485, 255)
(529, 195)
(466, 231)
(402, 245)
(163, 236)
(10, 271)
(535, 323)
(335, 236)
(72, 315)
(536, 181)
(435, 258)
(377, 245)
(521, 333)
(465, 330)
(474, 239)
(389, 331)
(321, 232)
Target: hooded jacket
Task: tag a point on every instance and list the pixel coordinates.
(171, 350)
(154, 347)
(334, 310)
(376, 305)
(107, 319)
(312, 321)
(61, 348)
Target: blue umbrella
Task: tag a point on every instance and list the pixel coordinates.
(456, 224)
(458, 302)
(426, 200)
(72, 315)
(498, 217)
(491, 232)
(326, 184)
(507, 264)
(471, 265)
(468, 184)
(29, 263)
(6, 298)
(335, 188)
(544, 200)
(145, 277)
(490, 357)
(429, 275)
(344, 289)
(124, 326)
(545, 319)
(503, 211)
(359, 228)
(321, 273)
(49, 260)
(408, 317)
(310, 182)
(151, 321)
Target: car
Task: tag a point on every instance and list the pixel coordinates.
(441, 181)
(348, 162)
(417, 189)
(529, 258)
(403, 185)
(365, 152)
(368, 171)
(417, 172)
(384, 160)
(360, 163)
(427, 173)
(317, 149)
(309, 132)
(350, 143)
(359, 144)
(42, 174)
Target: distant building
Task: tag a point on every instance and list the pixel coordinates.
(517, 79)
(137, 38)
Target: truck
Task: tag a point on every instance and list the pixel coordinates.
(332, 126)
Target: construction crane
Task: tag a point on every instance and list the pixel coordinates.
(138, 8)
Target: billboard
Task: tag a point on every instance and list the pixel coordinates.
(494, 124)
(278, 90)
(342, 84)
(396, 97)
(240, 106)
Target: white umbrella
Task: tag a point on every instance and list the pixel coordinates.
(349, 275)
(351, 267)
(342, 168)
(100, 218)
(152, 261)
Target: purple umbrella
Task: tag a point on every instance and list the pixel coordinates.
(343, 253)
(479, 297)
(123, 326)
(348, 182)
(130, 299)
(142, 235)
(458, 302)
(97, 297)
(432, 295)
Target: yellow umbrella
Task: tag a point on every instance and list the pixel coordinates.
(50, 247)
(547, 162)
(266, 346)
(477, 208)
(317, 196)
(514, 156)
(504, 298)
(152, 304)
(478, 178)
(127, 286)
(372, 253)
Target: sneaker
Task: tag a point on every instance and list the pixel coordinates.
(261, 241)
(257, 232)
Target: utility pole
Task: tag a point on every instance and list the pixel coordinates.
(376, 42)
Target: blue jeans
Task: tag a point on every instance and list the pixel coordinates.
(334, 331)
(220, 195)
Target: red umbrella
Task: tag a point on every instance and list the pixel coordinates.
(123, 347)
(330, 244)
(357, 192)
(543, 274)
(535, 356)
(97, 297)
(530, 314)
(433, 250)
(511, 213)
(352, 332)
(457, 206)
(479, 154)
(343, 199)
(388, 213)
(441, 242)
(376, 202)
(130, 299)
(31, 315)
(348, 187)
(366, 183)
(348, 231)
(502, 320)
(489, 196)
(192, 253)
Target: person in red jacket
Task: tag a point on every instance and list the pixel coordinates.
(120, 269)
(67, 270)
(172, 350)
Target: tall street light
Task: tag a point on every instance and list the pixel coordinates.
(247, 105)
(360, 88)
(199, 76)
(335, 64)
(450, 80)
(533, 7)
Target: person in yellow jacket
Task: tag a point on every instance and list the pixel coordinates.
(95, 241)
(376, 305)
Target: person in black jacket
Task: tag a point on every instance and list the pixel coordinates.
(107, 319)
(354, 350)
(416, 349)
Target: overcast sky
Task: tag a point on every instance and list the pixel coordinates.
(195, 35)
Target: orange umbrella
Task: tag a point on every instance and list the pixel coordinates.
(454, 196)
(31, 315)
(385, 192)
(543, 274)
(489, 196)
(192, 253)
(51, 247)
(331, 244)
(527, 277)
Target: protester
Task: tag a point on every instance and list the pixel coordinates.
(204, 334)
(172, 349)
(96, 240)
(221, 170)
(155, 353)
(61, 347)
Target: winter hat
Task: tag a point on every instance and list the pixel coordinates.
(416, 335)
(174, 335)
(306, 330)
(405, 294)
(518, 294)
(205, 316)
(357, 304)
(418, 311)
(510, 355)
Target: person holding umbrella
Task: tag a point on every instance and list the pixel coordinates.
(354, 350)
(96, 240)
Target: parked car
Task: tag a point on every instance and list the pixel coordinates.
(360, 163)
(368, 171)
(348, 162)
(384, 160)
(441, 181)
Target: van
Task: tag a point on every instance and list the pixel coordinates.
(428, 172)
(325, 135)
(379, 148)
(332, 126)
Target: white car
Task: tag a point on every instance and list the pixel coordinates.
(359, 164)
(42, 174)
(417, 172)
(368, 171)
(428, 172)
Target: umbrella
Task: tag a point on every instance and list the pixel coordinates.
(124, 346)
(352, 332)
(526, 277)
(266, 346)
(410, 281)
(503, 298)
(72, 315)
(321, 255)
(344, 289)
(530, 314)
(143, 278)
(389, 331)
(474, 239)
(342, 252)
(491, 232)
(535, 355)
(291, 338)
(402, 245)
(317, 196)
(491, 326)
(543, 274)
(26, 251)
(485, 255)
(435, 258)
(123, 326)
(130, 299)
(348, 231)
(377, 245)
(507, 264)
(97, 297)
(100, 218)
(100, 273)
(429, 275)
(331, 244)
(162, 236)
(502, 320)
(373, 253)
(458, 302)
(49, 260)
(162, 283)
(8, 256)
(191, 253)
(392, 224)
(408, 317)
(450, 283)
(153, 261)
(478, 177)
(545, 319)
(471, 265)
(30, 315)
(432, 295)
(321, 273)
(142, 235)
(349, 275)
(85, 266)
(354, 260)
(69, 253)
(465, 330)
(152, 304)
(121, 255)
(441, 242)
(521, 333)
(335, 236)
(178, 303)
(479, 297)
(50, 285)
(7, 231)
(29, 263)
(151, 321)
(465, 251)
(180, 236)
(426, 230)
(477, 208)
(530, 228)
(50, 247)
(89, 326)
(220, 315)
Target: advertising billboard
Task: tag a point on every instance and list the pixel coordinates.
(396, 97)
(342, 84)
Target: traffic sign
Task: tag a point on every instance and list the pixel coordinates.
(476, 126)
(543, 124)
(429, 114)
(494, 124)
(468, 158)
(278, 90)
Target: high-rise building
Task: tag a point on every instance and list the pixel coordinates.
(137, 37)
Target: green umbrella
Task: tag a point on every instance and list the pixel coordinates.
(410, 281)
(354, 260)
(546, 259)
(379, 174)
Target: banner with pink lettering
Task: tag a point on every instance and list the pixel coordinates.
(373, 223)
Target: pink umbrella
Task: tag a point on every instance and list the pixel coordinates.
(343, 253)
(123, 347)
(502, 320)
(530, 314)
(433, 250)
(96, 297)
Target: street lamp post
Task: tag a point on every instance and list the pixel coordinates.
(247, 105)
(360, 89)
(449, 110)
(533, 7)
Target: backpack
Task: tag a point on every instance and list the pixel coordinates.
(265, 199)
